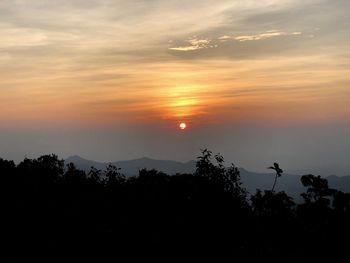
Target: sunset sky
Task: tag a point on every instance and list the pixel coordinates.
(258, 81)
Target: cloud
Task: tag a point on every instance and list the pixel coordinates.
(194, 44)
(261, 36)
(185, 48)
(19, 37)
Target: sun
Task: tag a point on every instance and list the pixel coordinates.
(182, 126)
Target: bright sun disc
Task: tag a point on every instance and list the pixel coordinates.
(182, 126)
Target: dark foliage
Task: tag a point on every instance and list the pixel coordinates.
(53, 213)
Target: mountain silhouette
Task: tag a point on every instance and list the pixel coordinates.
(132, 167)
(290, 183)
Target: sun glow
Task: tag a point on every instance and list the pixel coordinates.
(181, 102)
(182, 126)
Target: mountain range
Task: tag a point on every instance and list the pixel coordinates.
(132, 167)
(290, 183)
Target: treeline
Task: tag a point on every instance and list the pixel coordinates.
(57, 213)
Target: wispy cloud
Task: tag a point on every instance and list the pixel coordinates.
(261, 36)
(18, 37)
(194, 44)
(186, 48)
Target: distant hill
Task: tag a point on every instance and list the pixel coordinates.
(132, 167)
(290, 183)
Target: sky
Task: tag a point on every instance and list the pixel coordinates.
(257, 81)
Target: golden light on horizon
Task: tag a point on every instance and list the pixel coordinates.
(182, 101)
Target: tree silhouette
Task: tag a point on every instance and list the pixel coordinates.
(113, 175)
(56, 213)
(318, 191)
(278, 171)
(226, 179)
(95, 175)
(272, 203)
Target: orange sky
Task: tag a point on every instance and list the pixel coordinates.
(116, 64)
(202, 92)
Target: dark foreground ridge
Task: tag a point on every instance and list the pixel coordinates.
(54, 212)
